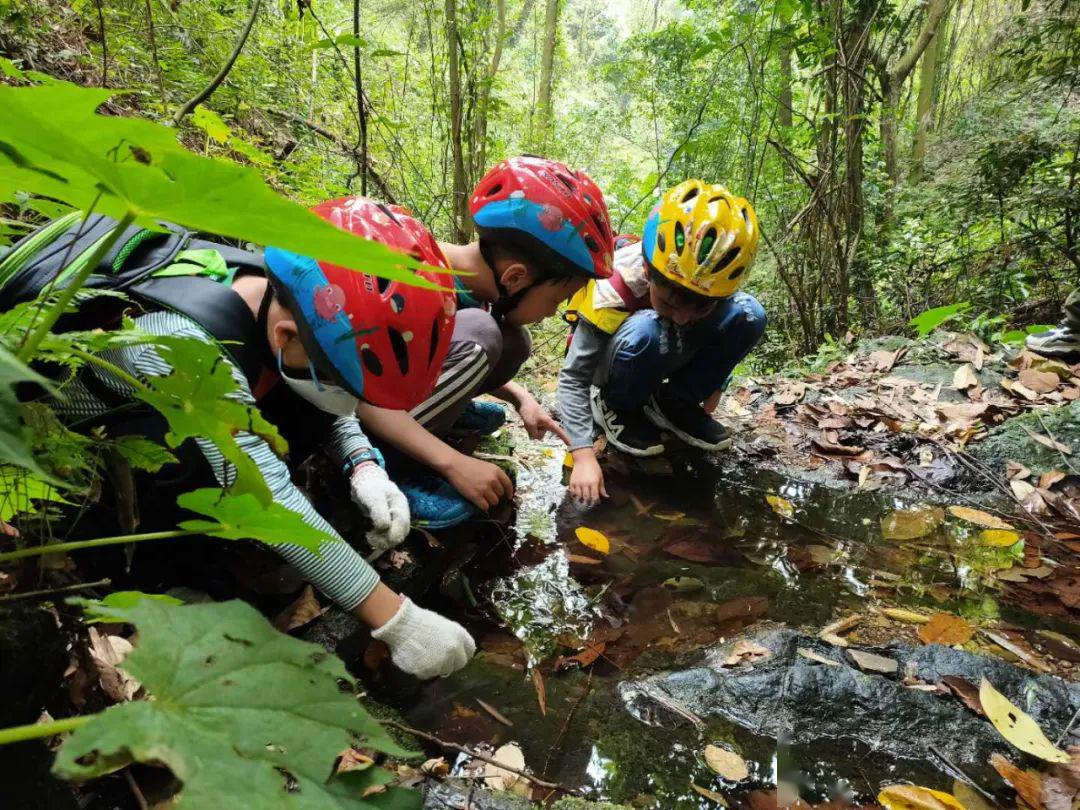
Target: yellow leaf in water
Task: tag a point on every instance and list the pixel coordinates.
(978, 517)
(726, 763)
(998, 538)
(782, 506)
(595, 540)
(671, 517)
(968, 797)
(913, 797)
(910, 524)
(902, 615)
(1017, 727)
(568, 461)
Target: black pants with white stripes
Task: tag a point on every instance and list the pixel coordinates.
(484, 355)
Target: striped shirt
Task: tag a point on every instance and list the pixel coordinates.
(338, 571)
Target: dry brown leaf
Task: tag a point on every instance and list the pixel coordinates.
(350, 760)
(711, 795)
(1041, 382)
(1046, 441)
(487, 707)
(964, 377)
(303, 609)
(744, 650)
(541, 690)
(1027, 784)
(966, 691)
(979, 518)
(727, 764)
(108, 653)
(1048, 479)
(871, 662)
(945, 628)
(498, 778)
(581, 559)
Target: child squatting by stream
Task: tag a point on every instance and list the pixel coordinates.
(656, 343)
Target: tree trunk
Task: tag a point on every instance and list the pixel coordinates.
(784, 113)
(924, 106)
(480, 122)
(547, 65)
(459, 192)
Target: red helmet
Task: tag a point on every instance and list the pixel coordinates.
(545, 207)
(383, 340)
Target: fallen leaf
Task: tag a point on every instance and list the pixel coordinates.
(1060, 646)
(966, 691)
(305, 608)
(1048, 479)
(782, 506)
(1015, 649)
(641, 509)
(435, 767)
(902, 615)
(1027, 784)
(870, 662)
(593, 539)
(670, 517)
(353, 760)
(487, 707)
(498, 778)
(711, 795)
(944, 628)
(1017, 727)
(695, 545)
(1041, 382)
(970, 798)
(580, 559)
(790, 394)
(108, 653)
(1058, 794)
(909, 524)
(1021, 489)
(1046, 441)
(541, 690)
(831, 632)
(978, 517)
(998, 538)
(913, 797)
(964, 377)
(725, 763)
(747, 651)
(813, 656)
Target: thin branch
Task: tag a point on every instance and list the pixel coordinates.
(469, 752)
(213, 84)
(48, 593)
(104, 45)
(154, 53)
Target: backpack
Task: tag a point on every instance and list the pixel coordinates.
(157, 270)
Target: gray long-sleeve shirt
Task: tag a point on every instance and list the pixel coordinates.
(338, 570)
(582, 368)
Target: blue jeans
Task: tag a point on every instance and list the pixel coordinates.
(696, 359)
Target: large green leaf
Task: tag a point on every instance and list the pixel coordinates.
(242, 517)
(52, 143)
(243, 715)
(21, 492)
(928, 321)
(14, 439)
(143, 454)
(196, 401)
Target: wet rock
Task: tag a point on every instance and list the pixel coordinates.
(462, 793)
(1011, 442)
(789, 696)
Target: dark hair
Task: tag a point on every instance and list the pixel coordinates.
(680, 296)
(507, 244)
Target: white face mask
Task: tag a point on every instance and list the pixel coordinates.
(331, 399)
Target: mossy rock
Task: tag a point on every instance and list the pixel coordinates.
(571, 803)
(1010, 442)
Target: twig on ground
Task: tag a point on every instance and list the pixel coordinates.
(958, 773)
(50, 592)
(1057, 444)
(1068, 727)
(469, 752)
(566, 723)
(135, 790)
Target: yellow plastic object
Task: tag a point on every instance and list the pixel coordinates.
(703, 238)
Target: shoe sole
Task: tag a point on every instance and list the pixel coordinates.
(598, 416)
(658, 419)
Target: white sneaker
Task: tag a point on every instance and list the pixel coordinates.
(1061, 341)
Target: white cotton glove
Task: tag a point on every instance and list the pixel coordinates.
(424, 643)
(374, 492)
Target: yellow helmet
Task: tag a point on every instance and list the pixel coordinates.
(702, 237)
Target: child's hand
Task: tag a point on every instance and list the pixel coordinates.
(587, 479)
(482, 483)
(538, 422)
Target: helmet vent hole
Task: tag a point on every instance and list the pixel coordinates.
(707, 243)
(601, 228)
(433, 344)
(730, 257)
(746, 215)
(591, 244)
(738, 271)
(689, 195)
(371, 361)
(384, 284)
(571, 186)
(401, 350)
(495, 189)
(680, 238)
(397, 303)
(661, 242)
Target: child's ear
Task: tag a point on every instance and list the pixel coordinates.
(283, 334)
(516, 276)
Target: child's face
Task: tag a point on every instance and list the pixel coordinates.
(542, 301)
(675, 308)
